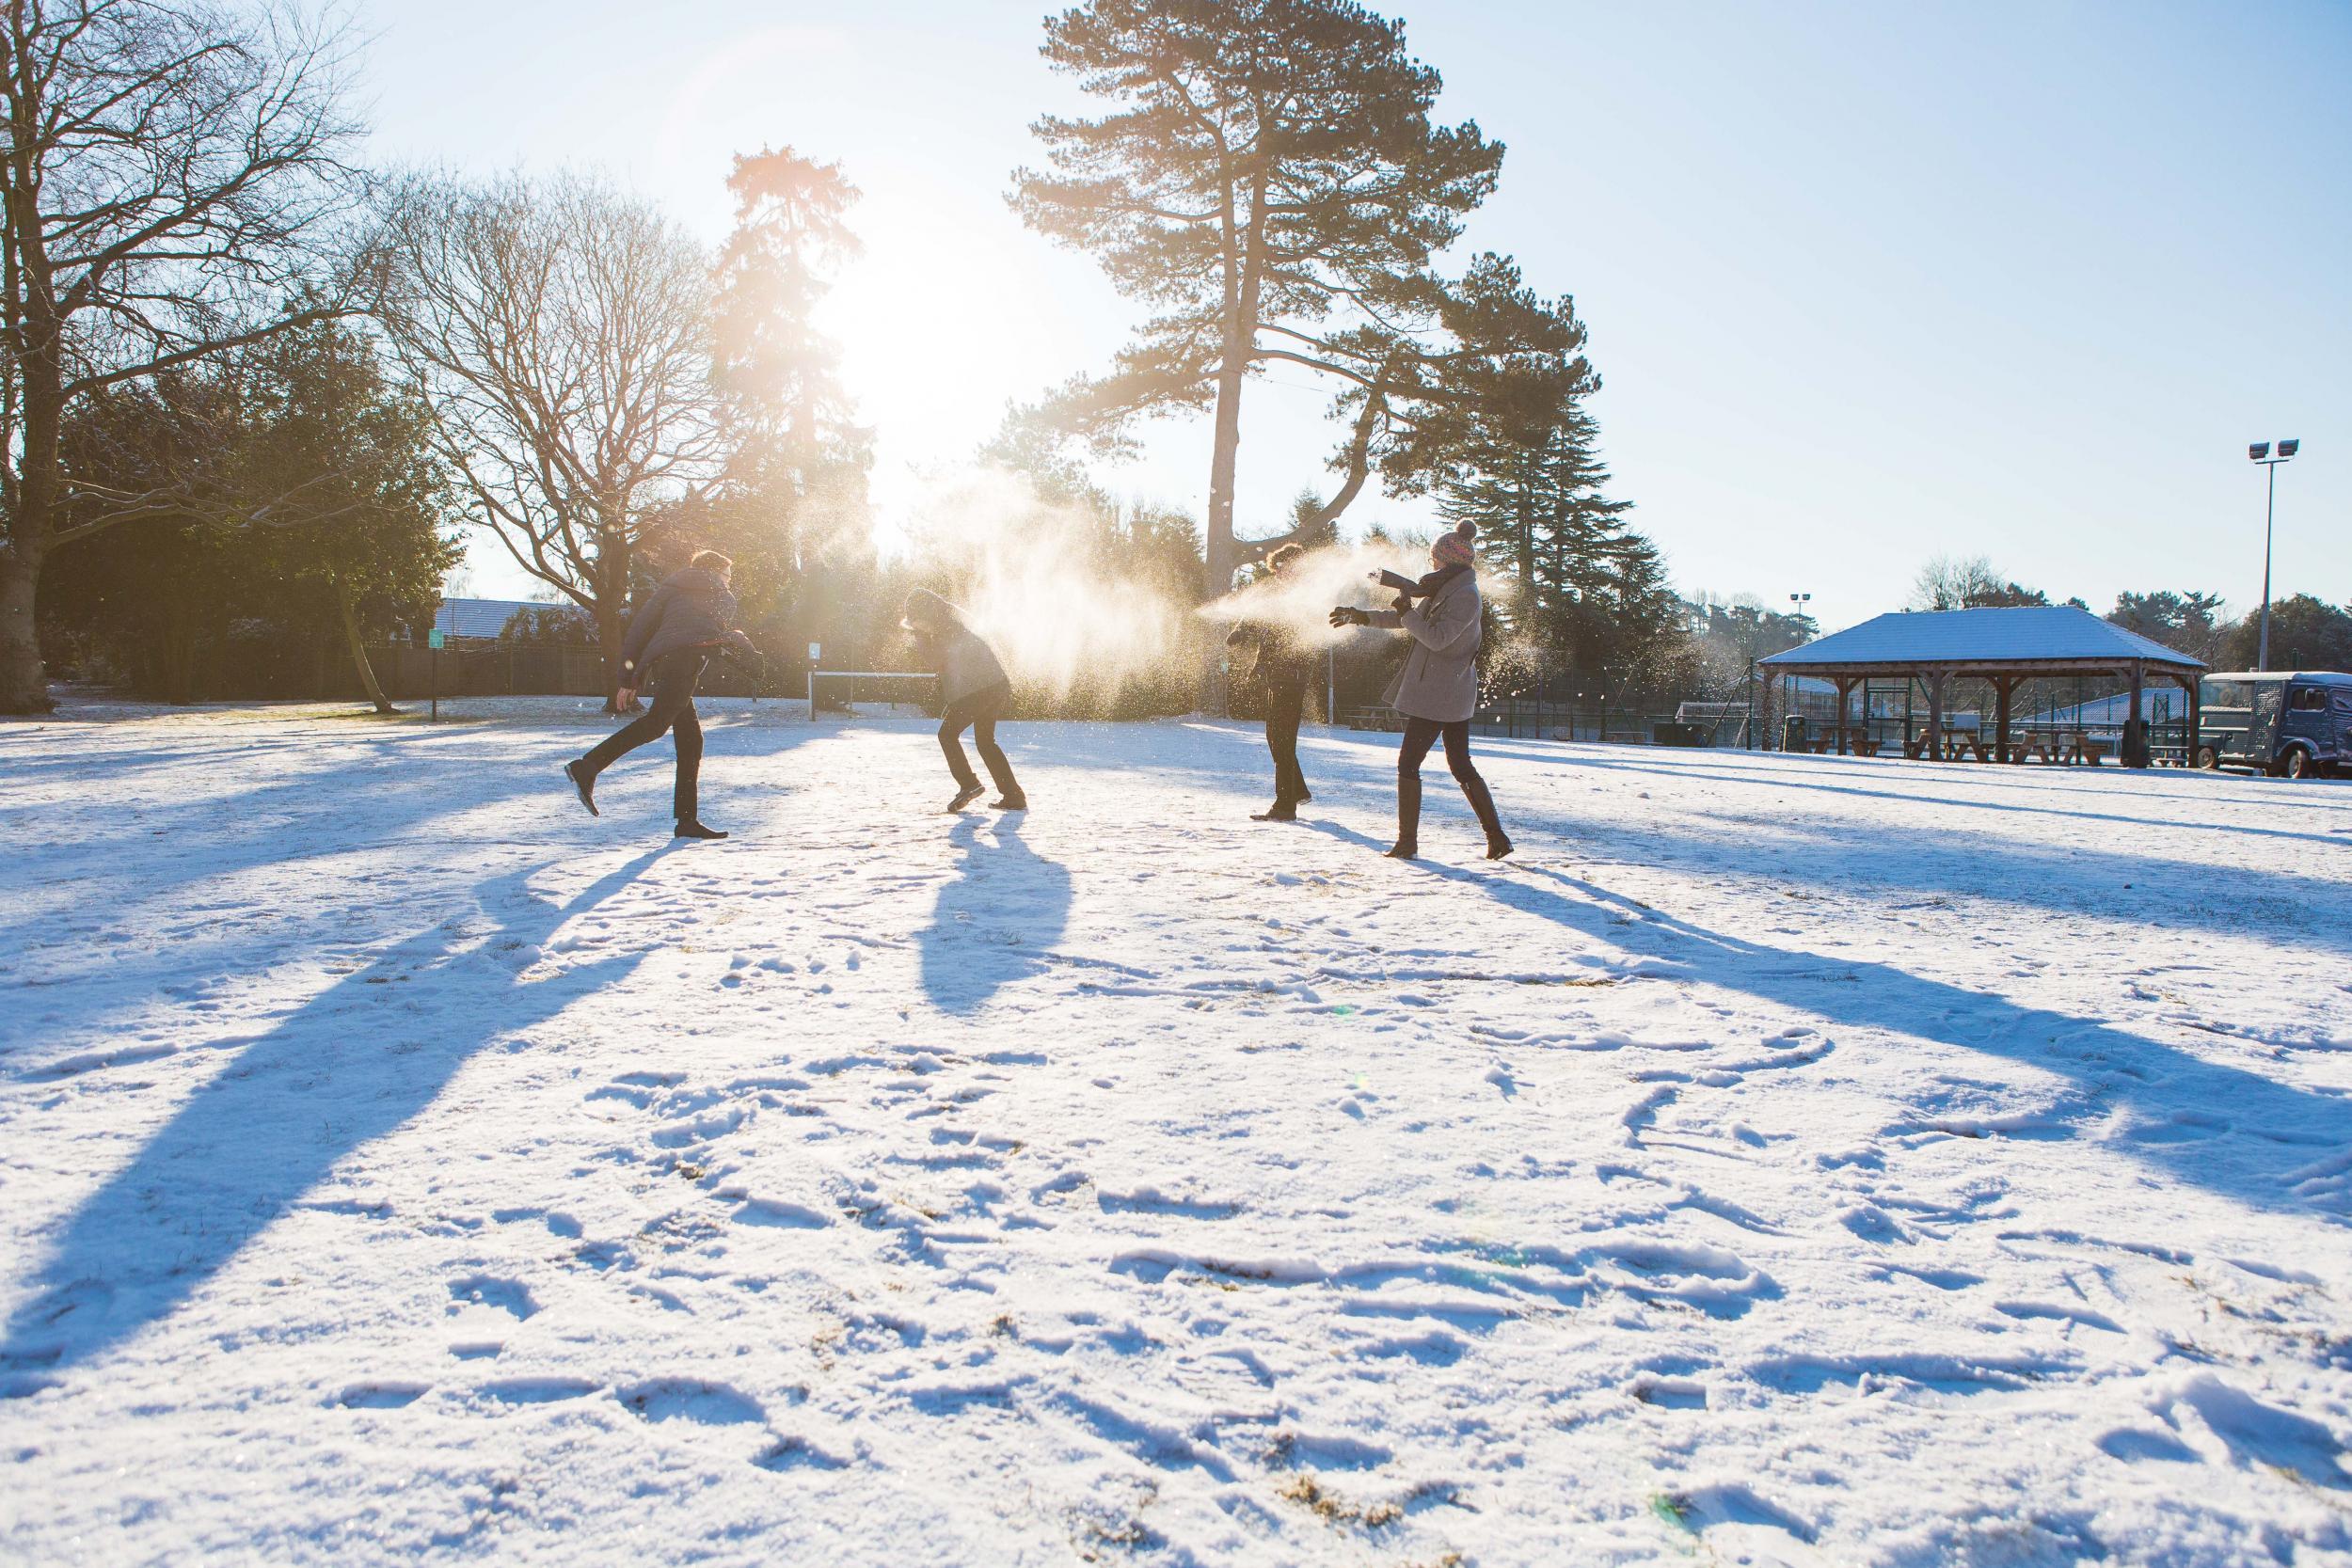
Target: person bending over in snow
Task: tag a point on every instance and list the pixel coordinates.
(1284, 668)
(975, 694)
(1436, 689)
(669, 640)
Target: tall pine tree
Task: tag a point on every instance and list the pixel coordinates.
(1270, 178)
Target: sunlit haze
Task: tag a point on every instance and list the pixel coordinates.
(1867, 284)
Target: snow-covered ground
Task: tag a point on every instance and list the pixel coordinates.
(1784, 1160)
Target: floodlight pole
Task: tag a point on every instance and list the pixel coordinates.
(2261, 452)
(2270, 508)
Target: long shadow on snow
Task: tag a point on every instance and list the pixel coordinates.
(372, 799)
(2284, 1131)
(350, 1065)
(1794, 779)
(1004, 908)
(2043, 876)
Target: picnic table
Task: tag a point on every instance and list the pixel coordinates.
(1953, 746)
(2053, 746)
(1857, 742)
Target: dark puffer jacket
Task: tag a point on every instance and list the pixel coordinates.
(1284, 662)
(693, 608)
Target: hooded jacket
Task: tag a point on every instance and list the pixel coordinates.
(967, 664)
(693, 608)
(1281, 661)
(1439, 679)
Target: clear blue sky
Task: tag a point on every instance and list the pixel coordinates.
(1868, 283)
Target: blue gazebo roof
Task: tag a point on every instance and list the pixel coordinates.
(2047, 635)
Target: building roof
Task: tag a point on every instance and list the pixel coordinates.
(2037, 634)
(483, 617)
(2316, 677)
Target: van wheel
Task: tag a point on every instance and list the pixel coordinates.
(2209, 758)
(2296, 763)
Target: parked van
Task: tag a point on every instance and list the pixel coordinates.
(2295, 724)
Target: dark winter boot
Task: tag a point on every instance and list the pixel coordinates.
(1407, 818)
(583, 783)
(1014, 801)
(1281, 810)
(696, 830)
(965, 795)
(1482, 801)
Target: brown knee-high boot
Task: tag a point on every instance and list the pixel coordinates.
(1407, 818)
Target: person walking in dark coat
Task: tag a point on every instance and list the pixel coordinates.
(1437, 686)
(671, 640)
(974, 694)
(1283, 668)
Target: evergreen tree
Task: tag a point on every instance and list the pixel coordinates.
(779, 374)
(1502, 426)
(2183, 622)
(338, 482)
(791, 509)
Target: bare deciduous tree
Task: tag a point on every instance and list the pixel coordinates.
(560, 334)
(172, 186)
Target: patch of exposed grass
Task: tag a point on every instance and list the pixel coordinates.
(1308, 1491)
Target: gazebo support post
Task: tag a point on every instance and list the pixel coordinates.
(2002, 687)
(1934, 749)
(1845, 694)
(2136, 723)
(2195, 734)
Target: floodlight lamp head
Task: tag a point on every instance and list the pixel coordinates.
(2288, 448)
(2257, 450)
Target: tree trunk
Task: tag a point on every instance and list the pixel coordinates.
(24, 687)
(1526, 544)
(1238, 341)
(1218, 544)
(23, 684)
(359, 651)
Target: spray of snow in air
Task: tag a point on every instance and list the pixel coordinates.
(1300, 600)
(1029, 574)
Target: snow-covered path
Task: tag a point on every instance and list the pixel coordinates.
(1784, 1160)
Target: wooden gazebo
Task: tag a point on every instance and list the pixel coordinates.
(2003, 647)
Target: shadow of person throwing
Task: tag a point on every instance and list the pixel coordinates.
(1005, 905)
(354, 1063)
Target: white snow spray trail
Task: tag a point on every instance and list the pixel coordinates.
(1033, 579)
(1300, 600)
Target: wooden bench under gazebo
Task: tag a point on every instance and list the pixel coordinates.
(2003, 647)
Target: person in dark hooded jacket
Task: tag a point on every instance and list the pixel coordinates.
(1283, 668)
(974, 693)
(671, 640)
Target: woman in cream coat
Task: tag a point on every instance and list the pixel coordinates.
(1436, 689)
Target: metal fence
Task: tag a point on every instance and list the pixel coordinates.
(1521, 718)
(410, 674)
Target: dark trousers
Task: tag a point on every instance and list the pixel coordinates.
(670, 707)
(979, 713)
(1419, 733)
(1282, 705)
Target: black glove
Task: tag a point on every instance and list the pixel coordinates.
(1347, 615)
